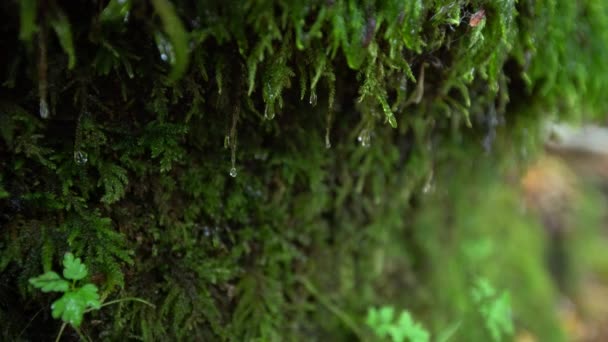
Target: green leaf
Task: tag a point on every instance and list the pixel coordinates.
(382, 323)
(483, 289)
(386, 314)
(495, 309)
(177, 35)
(49, 282)
(90, 295)
(498, 317)
(406, 327)
(115, 10)
(380, 320)
(73, 268)
(27, 16)
(70, 307)
(61, 25)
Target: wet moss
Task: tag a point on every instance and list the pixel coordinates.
(181, 150)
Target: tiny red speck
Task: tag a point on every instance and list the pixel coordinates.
(477, 17)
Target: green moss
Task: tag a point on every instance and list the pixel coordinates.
(152, 106)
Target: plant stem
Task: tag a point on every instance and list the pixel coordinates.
(347, 320)
(60, 332)
(135, 299)
(81, 335)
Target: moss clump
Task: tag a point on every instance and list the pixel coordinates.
(206, 156)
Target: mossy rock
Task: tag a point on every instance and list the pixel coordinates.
(254, 168)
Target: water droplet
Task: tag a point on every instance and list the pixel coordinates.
(269, 112)
(80, 157)
(313, 98)
(364, 138)
(429, 185)
(403, 84)
(44, 109)
(165, 48)
(327, 143)
(226, 141)
(233, 172)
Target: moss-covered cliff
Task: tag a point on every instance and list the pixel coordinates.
(269, 170)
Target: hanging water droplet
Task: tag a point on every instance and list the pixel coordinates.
(44, 109)
(327, 143)
(80, 157)
(269, 112)
(364, 138)
(165, 48)
(227, 141)
(429, 185)
(403, 83)
(313, 98)
(233, 172)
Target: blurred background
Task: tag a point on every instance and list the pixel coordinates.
(566, 189)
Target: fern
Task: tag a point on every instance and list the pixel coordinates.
(383, 323)
(92, 236)
(495, 309)
(114, 180)
(162, 140)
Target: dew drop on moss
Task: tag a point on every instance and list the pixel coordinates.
(313, 98)
(227, 141)
(429, 185)
(269, 112)
(364, 138)
(44, 109)
(80, 157)
(167, 54)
